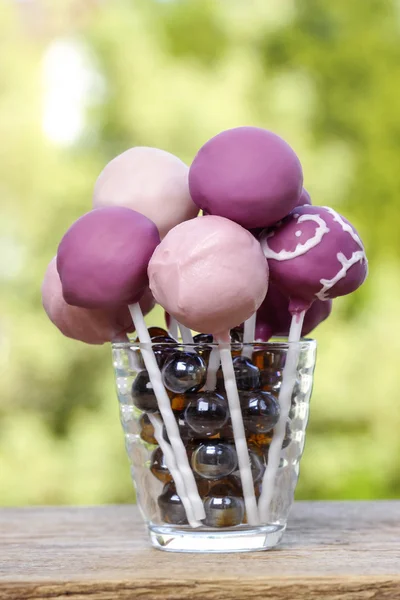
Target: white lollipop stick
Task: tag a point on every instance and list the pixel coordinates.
(285, 396)
(173, 469)
(213, 365)
(173, 327)
(186, 334)
(238, 430)
(164, 405)
(249, 333)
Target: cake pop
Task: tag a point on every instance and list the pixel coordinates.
(273, 317)
(315, 253)
(247, 174)
(92, 326)
(304, 198)
(210, 274)
(102, 259)
(151, 181)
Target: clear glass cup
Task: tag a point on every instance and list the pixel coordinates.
(206, 431)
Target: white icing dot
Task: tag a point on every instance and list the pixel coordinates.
(298, 233)
(296, 215)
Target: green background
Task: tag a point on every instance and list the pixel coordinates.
(171, 74)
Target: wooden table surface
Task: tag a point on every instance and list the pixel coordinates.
(331, 550)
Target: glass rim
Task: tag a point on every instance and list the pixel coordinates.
(276, 343)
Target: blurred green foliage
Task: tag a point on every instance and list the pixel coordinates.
(171, 74)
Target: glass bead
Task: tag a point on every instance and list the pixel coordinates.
(147, 430)
(260, 411)
(236, 335)
(158, 466)
(171, 507)
(271, 381)
(247, 375)
(157, 331)
(184, 431)
(262, 440)
(184, 372)
(179, 402)
(223, 511)
(164, 347)
(214, 461)
(142, 393)
(206, 413)
(203, 348)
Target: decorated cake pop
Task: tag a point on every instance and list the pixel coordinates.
(92, 326)
(102, 259)
(314, 254)
(151, 181)
(273, 317)
(247, 174)
(209, 273)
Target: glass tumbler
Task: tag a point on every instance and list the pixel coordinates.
(194, 382)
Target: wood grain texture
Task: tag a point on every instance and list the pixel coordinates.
(330, 550)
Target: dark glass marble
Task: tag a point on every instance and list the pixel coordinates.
(206, 413)
(146, 430)
(223, 511)
(260, 411)
(214, 460)
(203, 348)
(164, 347)
(237, 335)
(158, 466)
(247, 375)
(184, 372)
(184, 431)
(142, 393)
(157, 331)
(271, 381)
(171, 507)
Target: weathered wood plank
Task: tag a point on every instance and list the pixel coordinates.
(331, 550)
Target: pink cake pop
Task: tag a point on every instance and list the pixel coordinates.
(92, 326)
(247, 174)
(273, 317)
(102, 259)
(314, 254)
(210, 274)
(151, 181)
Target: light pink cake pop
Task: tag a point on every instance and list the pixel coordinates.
(150, 181)
(209, 273)
(92, 326)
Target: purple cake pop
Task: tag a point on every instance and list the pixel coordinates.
(274, 319)
(247, 174)
(102, 259)
(314, 254)
(304, 199)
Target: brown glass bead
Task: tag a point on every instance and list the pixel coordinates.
(260, 439)
(142, 393)
(158, 466)
(147, 430)
(171, 507)
(178, 401)
(157, 331)
(223, 511)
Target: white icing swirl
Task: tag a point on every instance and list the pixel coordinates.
(300, 249)
(346, 263)
(345, 226)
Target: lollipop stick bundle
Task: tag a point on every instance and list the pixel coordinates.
(263, 257)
